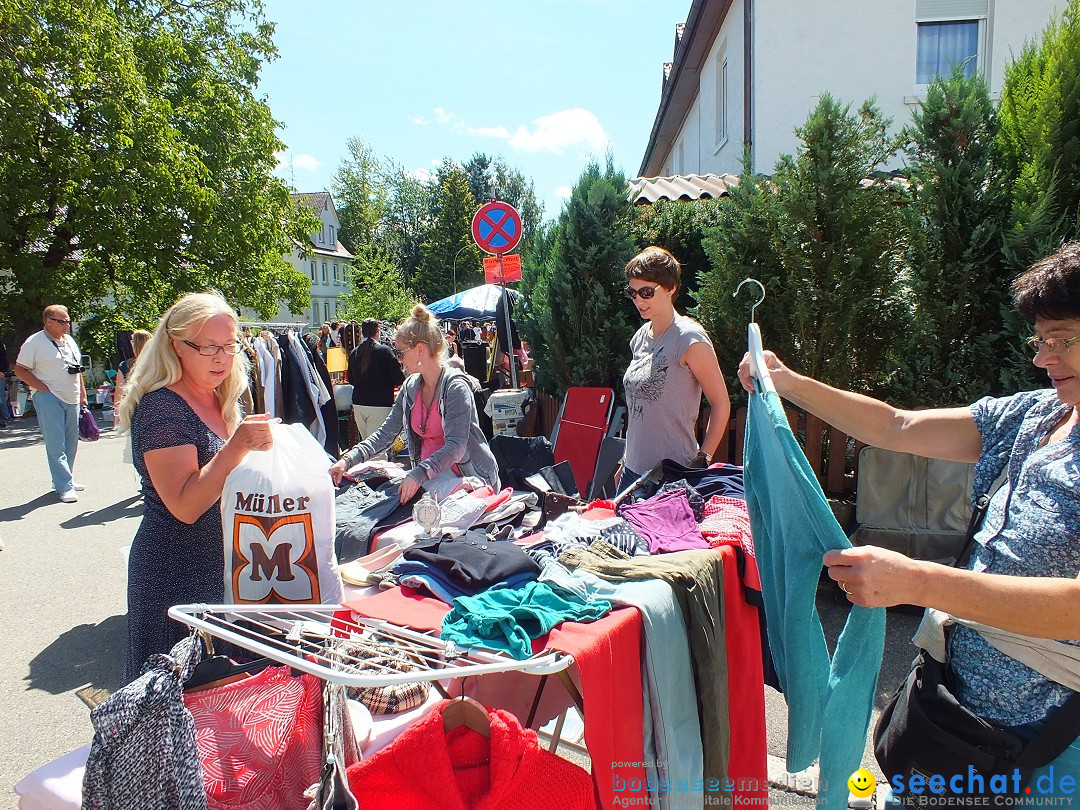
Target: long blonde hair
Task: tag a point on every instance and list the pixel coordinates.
(159, 366)
(422, 327)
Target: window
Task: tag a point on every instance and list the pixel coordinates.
(315, 314)
(333, 239)
(944, 45)
(335, 274)
(721, 100)
(322, 235)
(337, 308)
(324, 272)
(326, 310)
(313, 271)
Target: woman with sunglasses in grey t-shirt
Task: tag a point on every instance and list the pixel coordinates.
(673, 364)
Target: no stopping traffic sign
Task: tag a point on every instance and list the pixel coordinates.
(496, 227)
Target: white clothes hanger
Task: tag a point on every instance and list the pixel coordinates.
(758, 369)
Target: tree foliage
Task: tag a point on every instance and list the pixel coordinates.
(135, 161)
(375, 289)
(578, 323)
(958, 277)
(829, 248)
(450, 259)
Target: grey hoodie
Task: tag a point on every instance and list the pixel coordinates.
(465, 444)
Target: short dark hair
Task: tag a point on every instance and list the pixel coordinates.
(1050, 289)
(369, 327)
(656, 265)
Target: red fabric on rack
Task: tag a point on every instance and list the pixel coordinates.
(607, 654)
(259, 740)
(748, 760)
(429, 769)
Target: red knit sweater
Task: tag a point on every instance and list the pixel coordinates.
(427, 769)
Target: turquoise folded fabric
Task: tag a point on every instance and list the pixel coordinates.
(507, 619)
(829, 702)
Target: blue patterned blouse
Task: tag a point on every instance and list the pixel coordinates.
(1032, 528)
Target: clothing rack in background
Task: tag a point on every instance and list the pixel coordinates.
(299, 326)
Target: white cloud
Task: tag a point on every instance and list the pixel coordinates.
(561, 130)
(305, 162)
(564, 192)
(419, 120)
(554, 133)
(421, 174)
(500, 132)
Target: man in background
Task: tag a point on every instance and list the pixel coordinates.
(50, 364)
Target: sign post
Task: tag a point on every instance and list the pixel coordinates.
(496, 227)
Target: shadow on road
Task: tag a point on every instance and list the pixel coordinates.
(129, 507)
(24, 509)
(86, 654)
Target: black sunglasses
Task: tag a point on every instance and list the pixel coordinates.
(645, 293)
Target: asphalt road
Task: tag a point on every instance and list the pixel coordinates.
(63, 570)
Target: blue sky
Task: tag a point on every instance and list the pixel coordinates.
(546, 85)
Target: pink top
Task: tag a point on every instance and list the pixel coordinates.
(427, 424)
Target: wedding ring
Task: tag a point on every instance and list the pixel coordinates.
(843, 587)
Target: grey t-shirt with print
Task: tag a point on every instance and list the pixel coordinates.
(663, 398)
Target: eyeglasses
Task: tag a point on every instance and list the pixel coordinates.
(65, 321)
(209, 351)
(1052, 345)
(645, 293)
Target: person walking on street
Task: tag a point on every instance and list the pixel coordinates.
(50, 364)
(5, 370)
(374, 373)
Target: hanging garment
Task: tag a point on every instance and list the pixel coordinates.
(269, 368)
(327, 407)
(144, 752)
(697, 580)
(672, 729)
(829, 703)
(311, 386)
(428, 769)
(607, 655)
(260, 740)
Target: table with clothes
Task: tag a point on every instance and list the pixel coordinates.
(657, 599)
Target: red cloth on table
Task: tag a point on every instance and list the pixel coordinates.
(726, 521)
(748, 761)
(259, 740)
(428, 769)
(607, 654)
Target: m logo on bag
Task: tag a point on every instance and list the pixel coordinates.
(274, 560)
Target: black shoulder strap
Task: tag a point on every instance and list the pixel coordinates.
(977, 515)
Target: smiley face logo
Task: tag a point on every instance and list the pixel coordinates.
(862, 783)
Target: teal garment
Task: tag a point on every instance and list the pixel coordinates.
(507, 619)
(829, 703)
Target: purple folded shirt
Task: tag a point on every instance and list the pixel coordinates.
(666, 522)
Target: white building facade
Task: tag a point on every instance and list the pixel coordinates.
(327, 263)
(748, 72)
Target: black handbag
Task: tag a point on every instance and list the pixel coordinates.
(924, 731)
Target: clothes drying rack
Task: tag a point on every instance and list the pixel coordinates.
(329, 641)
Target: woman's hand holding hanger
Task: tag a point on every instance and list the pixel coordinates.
(783, 378)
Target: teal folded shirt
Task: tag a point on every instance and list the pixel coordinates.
(508, 619)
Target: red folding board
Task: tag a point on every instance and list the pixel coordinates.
(586, 414)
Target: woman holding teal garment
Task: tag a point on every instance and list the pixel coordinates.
(1024, 573)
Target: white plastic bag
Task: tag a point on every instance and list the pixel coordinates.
(277, 515)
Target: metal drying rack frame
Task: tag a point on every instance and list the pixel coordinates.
(328, 641)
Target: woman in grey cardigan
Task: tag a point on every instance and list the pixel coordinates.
(443, 430)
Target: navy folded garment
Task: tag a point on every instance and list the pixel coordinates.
(722, 479)
(473, 562)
